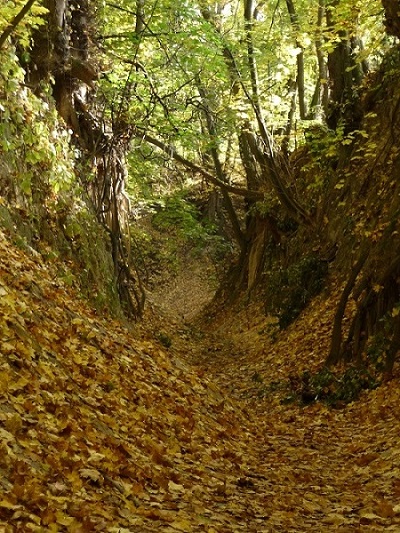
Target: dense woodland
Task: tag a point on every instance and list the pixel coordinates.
(259, 138)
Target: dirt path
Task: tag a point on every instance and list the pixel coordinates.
(309, 468)
(105, 428)
(183, 295)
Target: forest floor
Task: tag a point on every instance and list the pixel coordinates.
(313, 467)
(179, 426)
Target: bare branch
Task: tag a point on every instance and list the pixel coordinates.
(170, 150)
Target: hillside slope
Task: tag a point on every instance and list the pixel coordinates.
(102, 430)
(99, 429)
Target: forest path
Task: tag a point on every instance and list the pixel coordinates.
(111, 427)
(315, 468)
(307, 468)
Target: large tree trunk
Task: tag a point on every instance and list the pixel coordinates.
(392, 17)
(61, 55)
(344, 80)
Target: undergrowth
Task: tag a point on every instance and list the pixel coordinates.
(42, 206)
(334, 388)
(291, 289)
(177, 233)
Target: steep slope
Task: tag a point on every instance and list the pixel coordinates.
(319, 469)
(99, 429)
(102, 430)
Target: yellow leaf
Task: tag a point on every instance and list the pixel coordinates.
(182, 525)
(14, 423)
(5, 504)
(63, 519)
(174, 487)
(90, 473)
(377, 288)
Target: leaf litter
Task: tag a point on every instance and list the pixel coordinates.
(104, 429)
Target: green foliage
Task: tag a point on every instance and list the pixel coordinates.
(352, 383)
(149, 175)
(180, 220)
(380, 354)
(41, 202)
(336, 390)
(192, 57)
(180, 216)
(34, 148)
(91, 266)
(333, 388)
(322, 157)
(33, 20)
(377, 350)
(290, 290)
(172, 231)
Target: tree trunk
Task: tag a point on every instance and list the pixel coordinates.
(299, 60)
(62, 53)
(344, 79)
(212, 131)
(319, 103)
(336, 342)
(392, 19)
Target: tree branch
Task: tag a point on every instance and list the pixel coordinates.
(15, 21)
(170, 150)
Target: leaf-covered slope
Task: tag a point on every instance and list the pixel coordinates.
(99, 429)
(318, 469)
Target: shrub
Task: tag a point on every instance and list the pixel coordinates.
(332, 388)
